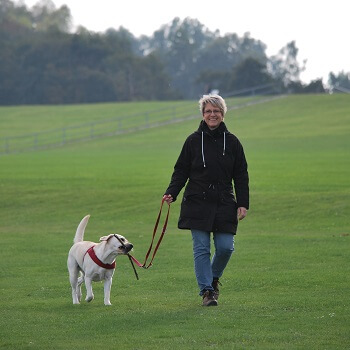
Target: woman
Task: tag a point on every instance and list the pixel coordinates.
(211, 159)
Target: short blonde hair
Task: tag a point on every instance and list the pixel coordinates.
(214, 100)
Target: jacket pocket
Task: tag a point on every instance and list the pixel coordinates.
(227, 211)
(194, 205)
(228, 198)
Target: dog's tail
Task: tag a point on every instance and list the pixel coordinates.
(79, 235)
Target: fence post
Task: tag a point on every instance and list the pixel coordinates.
(92, 126)
(63, 136)
(35, 141)
(7, 145)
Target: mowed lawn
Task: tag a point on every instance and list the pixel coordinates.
(287, 285)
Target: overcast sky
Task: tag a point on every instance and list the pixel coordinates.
(320, 28)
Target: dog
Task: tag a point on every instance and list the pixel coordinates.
(89, 261)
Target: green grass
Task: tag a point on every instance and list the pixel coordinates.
(286, 287)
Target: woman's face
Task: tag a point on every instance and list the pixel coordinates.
(212, 116)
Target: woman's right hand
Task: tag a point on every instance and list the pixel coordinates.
(168, 198)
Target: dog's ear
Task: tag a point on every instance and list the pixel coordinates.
(106, 238)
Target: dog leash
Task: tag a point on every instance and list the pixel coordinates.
(145, 265)
(129, 256)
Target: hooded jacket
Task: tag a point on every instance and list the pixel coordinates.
(211, 160)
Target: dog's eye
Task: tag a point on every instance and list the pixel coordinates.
(122, 239)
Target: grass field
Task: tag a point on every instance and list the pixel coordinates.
(287, 285)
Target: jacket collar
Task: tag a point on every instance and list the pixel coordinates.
(220, 130)
(203, 127)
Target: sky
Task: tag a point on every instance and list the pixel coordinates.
(320, 28)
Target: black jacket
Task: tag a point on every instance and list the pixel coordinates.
(211, 160)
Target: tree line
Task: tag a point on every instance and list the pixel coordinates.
(43, 62)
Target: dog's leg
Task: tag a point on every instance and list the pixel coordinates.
(107, 291)
(80, 282)
(89, 293)
(73, 278)
(74, 283)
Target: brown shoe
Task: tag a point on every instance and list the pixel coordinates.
(208, 299)
(215, 285)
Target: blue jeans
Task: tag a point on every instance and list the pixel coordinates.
(205, 269)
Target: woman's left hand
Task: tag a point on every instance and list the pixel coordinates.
(241, 213)
(168, 198)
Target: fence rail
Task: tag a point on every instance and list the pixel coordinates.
(341, 89)
(109, 127)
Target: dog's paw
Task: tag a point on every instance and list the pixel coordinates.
(89, 298)
(108, 303)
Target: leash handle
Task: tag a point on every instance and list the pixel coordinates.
(154, 233)
(144, 265)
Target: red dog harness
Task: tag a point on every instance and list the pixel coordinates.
(93, 256)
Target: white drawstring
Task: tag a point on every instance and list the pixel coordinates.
(223, 153)
(203, 151)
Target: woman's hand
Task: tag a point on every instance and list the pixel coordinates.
(241, 213)
(168, 198)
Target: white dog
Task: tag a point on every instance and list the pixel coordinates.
(94, 262)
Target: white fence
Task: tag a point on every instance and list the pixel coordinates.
(109, 127)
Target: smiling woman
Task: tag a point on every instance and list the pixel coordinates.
(213, 110)
(211, 159)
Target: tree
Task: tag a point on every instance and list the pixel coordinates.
(284, 67)
(315, 86)
(178, 45)
(211, 80)
(43, 62)
(340, 82)
(45, 16)
(249, 73)
(222, 54)
(192, 54)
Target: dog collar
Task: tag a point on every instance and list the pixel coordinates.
(93, 256)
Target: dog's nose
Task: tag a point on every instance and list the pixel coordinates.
(129, 246)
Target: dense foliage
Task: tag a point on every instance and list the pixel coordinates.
(43, 62)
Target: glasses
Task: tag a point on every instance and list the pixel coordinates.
(209, 111)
